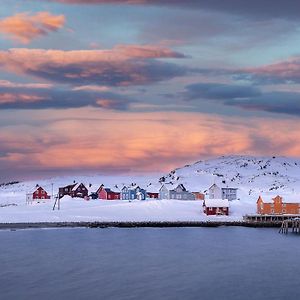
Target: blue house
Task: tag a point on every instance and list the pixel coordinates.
(133, 193)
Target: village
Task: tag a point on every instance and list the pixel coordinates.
(215, 201)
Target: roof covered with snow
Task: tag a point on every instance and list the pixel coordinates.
(216, 203)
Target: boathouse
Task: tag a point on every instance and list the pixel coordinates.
(214, 207)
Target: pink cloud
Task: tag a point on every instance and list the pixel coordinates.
(6, 98)
(24, 27)
(121, 65)
(66, 143)
(283, 71)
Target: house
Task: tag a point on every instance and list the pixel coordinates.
(108, 194)
(199, 196)
(215, 192)
(75, 190)
(214, 207)
(152, 195)
(37, 194)
(133, 193)
(94, 193)
(229, 193)
(179, 193)
(276, 206)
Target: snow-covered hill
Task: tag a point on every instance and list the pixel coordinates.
(251, 175)
(248, 173)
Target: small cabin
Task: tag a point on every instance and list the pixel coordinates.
(215, 207)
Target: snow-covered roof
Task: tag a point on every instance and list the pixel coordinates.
(34, 189)
(75, 187)
(216, 203)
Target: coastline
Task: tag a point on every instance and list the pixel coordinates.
(179, 224)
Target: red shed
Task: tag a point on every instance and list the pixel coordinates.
(108, 194)
(213, 207)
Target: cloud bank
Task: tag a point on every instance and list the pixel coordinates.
(120, 66)
(24, 27)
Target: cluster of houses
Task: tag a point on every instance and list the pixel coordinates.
(215, 203)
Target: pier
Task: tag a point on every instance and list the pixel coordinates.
(293, 224)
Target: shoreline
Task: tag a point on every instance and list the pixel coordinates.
(179, 224)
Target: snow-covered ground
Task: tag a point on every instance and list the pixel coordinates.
(251, 175)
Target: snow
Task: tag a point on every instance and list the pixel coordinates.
(216, 203)
(253, 176)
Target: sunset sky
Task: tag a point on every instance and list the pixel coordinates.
(143, 86)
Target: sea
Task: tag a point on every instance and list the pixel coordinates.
(149, 263)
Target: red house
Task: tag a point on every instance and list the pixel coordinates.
(152, 195)
(37, 194)
(108, 194)
(199, 196)
(214, 207)
(76, 190)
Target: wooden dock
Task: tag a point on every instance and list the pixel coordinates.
(269, 220)
(293, 224)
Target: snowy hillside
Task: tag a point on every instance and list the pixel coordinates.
(251, 175)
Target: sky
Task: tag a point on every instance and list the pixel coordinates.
(145, 86)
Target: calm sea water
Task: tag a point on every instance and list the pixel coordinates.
(178, 263)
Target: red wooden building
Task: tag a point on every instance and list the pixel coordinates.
(152, 195)
(199, 196)
(108, 194)
(76, 190)
(37, 194)
(213, 207)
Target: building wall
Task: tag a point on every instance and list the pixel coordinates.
(199, 196)
(229, 194)
(215, 192)
(153, 195)
(212, 211)
(164, 193)
(278, 207)
(40, 193)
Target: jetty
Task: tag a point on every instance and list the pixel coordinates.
(290, 224)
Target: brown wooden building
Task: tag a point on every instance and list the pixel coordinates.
(76, 190)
